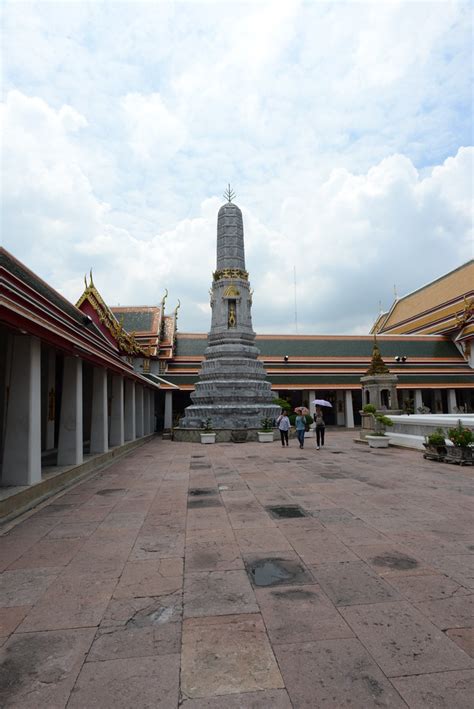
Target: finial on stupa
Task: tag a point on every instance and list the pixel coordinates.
(377, 365)
(229, 194)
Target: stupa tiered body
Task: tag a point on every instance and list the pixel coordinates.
(232, 390)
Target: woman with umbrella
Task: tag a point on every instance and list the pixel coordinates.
(300, 424)
(319, 421)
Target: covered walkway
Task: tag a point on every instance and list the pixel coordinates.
(244, 576)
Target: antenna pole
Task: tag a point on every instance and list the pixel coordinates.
(296, 311)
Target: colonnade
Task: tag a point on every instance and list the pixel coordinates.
(122, 409)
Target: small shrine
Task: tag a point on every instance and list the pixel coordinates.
(379, 386)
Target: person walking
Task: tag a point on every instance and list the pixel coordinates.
(320, 427)
(300, 424)
(283, 426)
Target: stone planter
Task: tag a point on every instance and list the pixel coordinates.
(265, 436)
(208, 437)
(462, 455)
(378, 441)
(434, 452)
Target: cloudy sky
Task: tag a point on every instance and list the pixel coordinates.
(345, 128)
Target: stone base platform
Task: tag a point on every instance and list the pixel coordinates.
(223, 435)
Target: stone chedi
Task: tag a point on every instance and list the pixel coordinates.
(232, 390)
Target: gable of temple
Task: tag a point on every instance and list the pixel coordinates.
(443, 307)
(136, 331)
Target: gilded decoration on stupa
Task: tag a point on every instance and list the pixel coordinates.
(230, 273)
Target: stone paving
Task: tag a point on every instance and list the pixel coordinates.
(166, 581)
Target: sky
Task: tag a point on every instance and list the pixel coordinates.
(345, 129)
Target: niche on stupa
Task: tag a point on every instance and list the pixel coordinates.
(232, 296)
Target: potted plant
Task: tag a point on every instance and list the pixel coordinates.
(207, 434)
(462, 450)
(435, 445)
(378, 439)
(265, 435)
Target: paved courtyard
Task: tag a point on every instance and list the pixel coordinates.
(166, 580)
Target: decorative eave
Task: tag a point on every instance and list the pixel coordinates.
(126, 342)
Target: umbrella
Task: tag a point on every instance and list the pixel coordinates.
(322, 402)
(301, 410)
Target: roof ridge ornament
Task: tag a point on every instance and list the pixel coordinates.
(229, 194)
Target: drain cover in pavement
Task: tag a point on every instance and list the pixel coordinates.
(286, 512)
(197, 491)
(274, 571)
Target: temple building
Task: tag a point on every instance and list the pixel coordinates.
(81, 383)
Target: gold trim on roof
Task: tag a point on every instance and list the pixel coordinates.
(126, 341)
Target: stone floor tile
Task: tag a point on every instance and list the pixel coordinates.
(104, 556)
(464, 637)
(261, 540)
(218, 593)
(212, 557)
(428, 587)
(334, 674)
(392, 560)
(402, 640)
(39, 669)
(227, 655)
(70, 602)
(159, 544)
(11, 617)
(47, 553)
(24, 587)
(266, 699)
(74, 530)
(316, 547)
(150, 578)
(138, 627)
(224, 536)
(144, 682)
(456, 612)
(349, 583)
(297, 614)
(443, 690)
(355, 532)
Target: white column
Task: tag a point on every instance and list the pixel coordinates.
(418, 400)
(51, 399)
(99, 418)
(139, 410)
(130, 431)
(22, 453)
(168, 410)
(312, 397)
(349, 412)
(117, 427)
(452, 402)
(70, 424)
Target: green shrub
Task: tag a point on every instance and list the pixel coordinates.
(460, 435)
(437, 438)
(283, 403)
(207, 424)
(266, 424)
(369, 409)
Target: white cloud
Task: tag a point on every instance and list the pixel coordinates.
(340, 125)
(154, 132)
